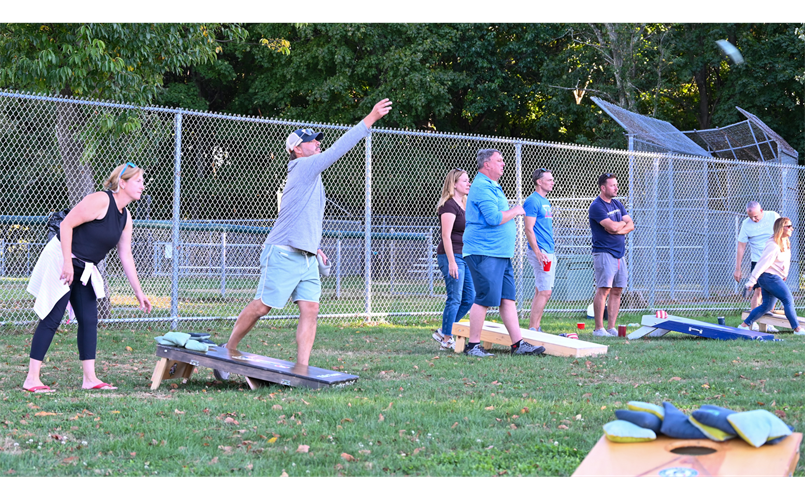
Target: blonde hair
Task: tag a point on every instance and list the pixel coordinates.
(128, 170)
(779, 231)
(449, 188)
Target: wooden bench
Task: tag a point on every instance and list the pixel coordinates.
(776, 320)
(669, 457)
(176, 362)
(496, 333)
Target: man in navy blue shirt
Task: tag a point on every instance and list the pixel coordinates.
(609, 223)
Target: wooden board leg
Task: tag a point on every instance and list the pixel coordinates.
(459, 347)
(169, 369)
(255, 383)
(487, 345)
(763, 327)
(159, 370)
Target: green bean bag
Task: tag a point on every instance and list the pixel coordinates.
(621, 431)
(758, 427)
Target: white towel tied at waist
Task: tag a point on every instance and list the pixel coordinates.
(45, 283)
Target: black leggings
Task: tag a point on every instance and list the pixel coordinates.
(85, 305)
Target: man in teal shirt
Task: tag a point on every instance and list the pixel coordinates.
(489, 236)
(541, 245)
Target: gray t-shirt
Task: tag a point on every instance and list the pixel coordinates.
(758, 233)
(299, 224)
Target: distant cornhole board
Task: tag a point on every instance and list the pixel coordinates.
(496, 333)
(669, 457)
(657, 327)
(773, 320)
(259, 370)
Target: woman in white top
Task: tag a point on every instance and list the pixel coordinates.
(770, 273)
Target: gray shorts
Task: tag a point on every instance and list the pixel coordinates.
(542, 280)
(609, 271)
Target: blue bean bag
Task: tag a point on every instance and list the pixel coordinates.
(642, 419)
(712, 421)
(621, 431)
(676, 424)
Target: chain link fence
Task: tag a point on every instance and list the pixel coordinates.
(211, 199)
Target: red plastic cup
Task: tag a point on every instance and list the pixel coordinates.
(621, 330)
(580, 326)
(546, 266)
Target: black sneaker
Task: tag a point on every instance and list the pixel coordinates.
(527, 349)
(220, 374)
(477, 351)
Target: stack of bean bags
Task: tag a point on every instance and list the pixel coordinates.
(644, 421)
(193, 341)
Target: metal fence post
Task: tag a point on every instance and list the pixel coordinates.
(367, 234)
(654, 268)
(223, 264)
(706, 232)
(520, 224)
(175, 239)
(429, 262)
(671, 226)
(338, 267)
(630, 200)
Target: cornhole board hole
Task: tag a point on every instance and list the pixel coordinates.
(669, 457)
(496, 333)
(259, 370)
(654, 327)
(772, 319)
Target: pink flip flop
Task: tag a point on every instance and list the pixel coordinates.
(39, 388)
(103, 386)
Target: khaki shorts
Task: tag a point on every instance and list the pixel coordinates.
(542, 280)
(609, 271)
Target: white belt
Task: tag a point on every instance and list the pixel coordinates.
(292, 249)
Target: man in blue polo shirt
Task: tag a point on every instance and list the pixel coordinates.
(609, 223)
(489, 235)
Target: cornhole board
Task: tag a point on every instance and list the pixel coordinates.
(773, 320)
(695, 328)
(669, 457)
(177, 362)
(496, 333)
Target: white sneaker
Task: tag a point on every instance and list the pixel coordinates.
(603, 333)
(771, 329)
(755, 327)
(612, 332)
(448, 344)
(741, 327)
(801, 332)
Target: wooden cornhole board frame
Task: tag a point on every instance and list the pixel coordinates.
(496, 333)
(176, 362)
(655, 458)
(772, 319)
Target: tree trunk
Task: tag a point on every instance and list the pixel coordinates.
(70, 121)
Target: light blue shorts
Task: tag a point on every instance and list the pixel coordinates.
(287, 273)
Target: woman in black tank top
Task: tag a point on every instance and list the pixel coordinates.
(98, 223)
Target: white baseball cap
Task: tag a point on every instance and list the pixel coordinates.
(301, 135)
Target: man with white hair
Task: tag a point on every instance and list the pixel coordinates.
(288, 263)
(756, 230)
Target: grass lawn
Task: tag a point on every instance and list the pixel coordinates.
(416, 411)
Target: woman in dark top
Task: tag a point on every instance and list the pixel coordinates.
(457, 279)
(65, 271)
